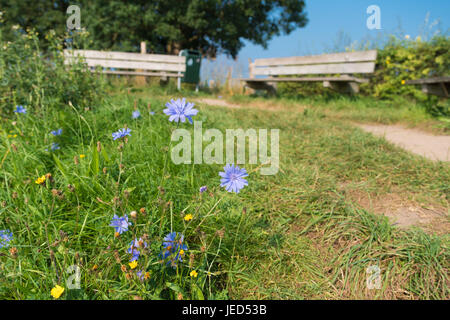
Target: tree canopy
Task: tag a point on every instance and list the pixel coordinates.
(211, 26)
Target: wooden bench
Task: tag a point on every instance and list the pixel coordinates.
(439, 86)
(343, 65)
(129, 63)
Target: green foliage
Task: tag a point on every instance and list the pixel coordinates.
(166, 25)
(40, 15)
(37, 78)
(402, 60)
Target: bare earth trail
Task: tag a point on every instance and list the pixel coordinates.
(424, 144)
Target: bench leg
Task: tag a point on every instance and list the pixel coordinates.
(341, 86)
(271, 89)
(438, 89)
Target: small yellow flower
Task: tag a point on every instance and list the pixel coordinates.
(15, 136)
(40, 180)
(403, 81)
(94, 267)
(193, 274)
(181, 252)
(82, 156)
(147, 275)
(133, 264)
(57, 291)
(188, 217)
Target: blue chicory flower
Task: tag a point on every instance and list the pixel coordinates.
(140, 275)
(55, 146)
(136, 114)
(6, 237)
(203, 189)
(173, 248)
(178, 110)
(233, 178)
(122, 133)
(56, 132)
(20, 109)
(120, 224)
(133, 249)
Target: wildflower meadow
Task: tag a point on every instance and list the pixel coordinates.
(108, 191)
(108, 200)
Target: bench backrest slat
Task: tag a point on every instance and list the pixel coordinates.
(129, 60)
(341, 68)
(335, 63)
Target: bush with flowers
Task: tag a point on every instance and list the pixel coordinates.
(39, 78)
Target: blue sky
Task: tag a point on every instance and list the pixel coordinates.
(329, 18)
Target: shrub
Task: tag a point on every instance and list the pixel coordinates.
(402, 60)
(33, 77)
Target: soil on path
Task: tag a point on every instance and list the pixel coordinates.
(427, 145)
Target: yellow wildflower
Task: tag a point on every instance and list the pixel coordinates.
(57, 291)
(40, 180)
(82, 156)
(403, 81)
(188, 217)
(193, 274)
(133, 264)
(181, 252)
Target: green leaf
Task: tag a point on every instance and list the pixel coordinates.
(94, 167)
(105, 155)
(197, 293)
(131, 189)
(60, 166)
(175, 288)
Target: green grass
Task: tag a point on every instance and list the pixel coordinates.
(318, 153)
(356, 108)
(294, 235)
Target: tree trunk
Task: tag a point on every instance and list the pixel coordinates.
(173, 47)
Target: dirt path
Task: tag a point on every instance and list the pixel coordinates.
(421, 143)
(269, 106)
(218, 102)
